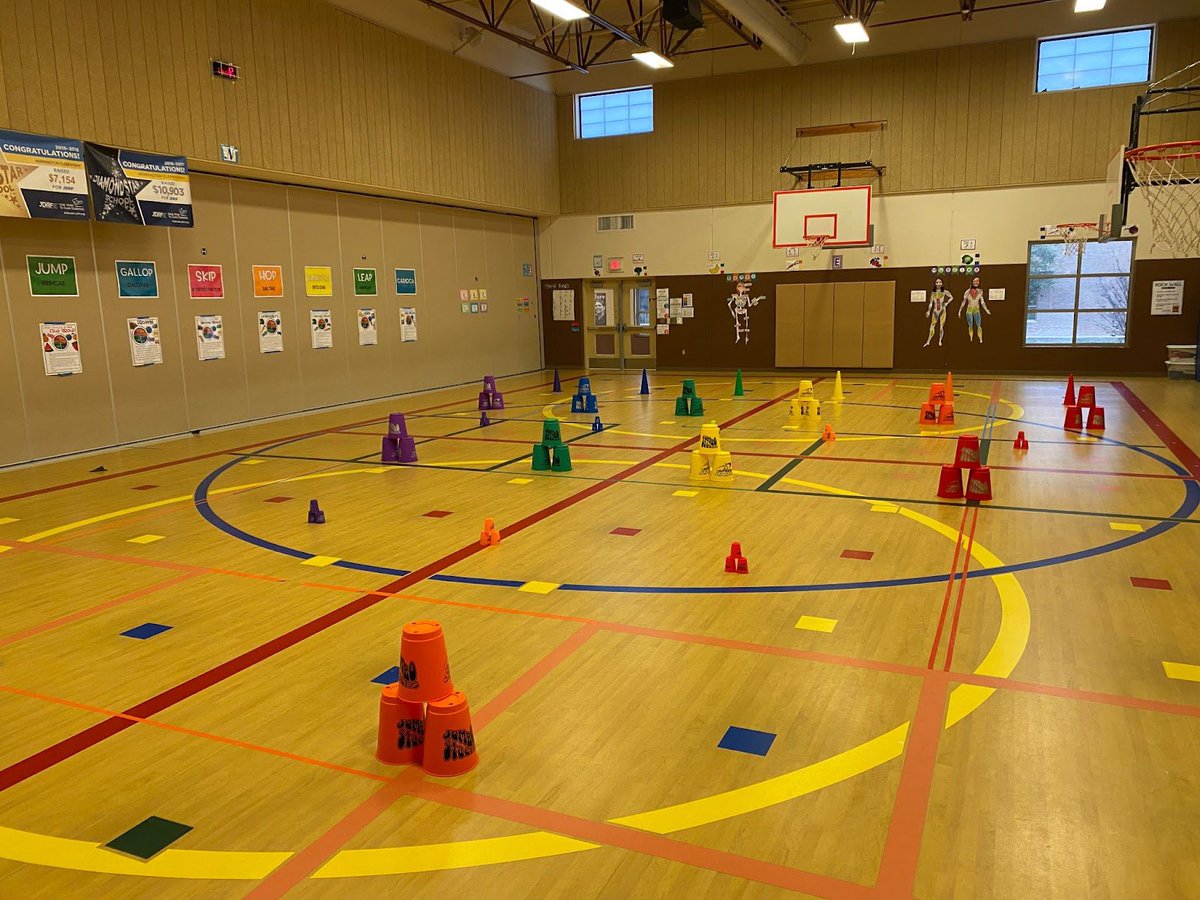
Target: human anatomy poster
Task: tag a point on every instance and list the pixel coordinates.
(740, 302)
(408, 324)
(270, 331)
(935, 311)
(145, 342)
(321, 321)
(60, 348)
(368, 333)
(210, 338)
(975, 305)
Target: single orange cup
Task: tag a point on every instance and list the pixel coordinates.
(424, 668)
(450, 740)
(401, 736)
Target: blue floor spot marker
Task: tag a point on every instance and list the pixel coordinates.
(747, 740)
(391, 676)
(149, 630)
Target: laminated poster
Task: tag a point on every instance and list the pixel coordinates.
(210, 338)
(270, 331)
(564, 306)
(1166, 298)
(408, 323)
(663, 329)
(205, 282)
(483, 307)
(41, 177)
(368, 334)
(322, 328)
(995, 294)
(268, 280)
(145, 344)
(318, 281)
(60, 348)
(917, 296)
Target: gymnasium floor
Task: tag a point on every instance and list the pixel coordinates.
(603, 667)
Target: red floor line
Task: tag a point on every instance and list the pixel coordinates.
(175, 462)
(38, 762)
(1162, 431)
(937, 636)
(902, 848)
(962, 589)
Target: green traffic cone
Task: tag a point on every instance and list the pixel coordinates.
(689, 387)
(738, 391)
(562, 459)
(541, 458)
(681, 406)
(551, 432)
(697, 406)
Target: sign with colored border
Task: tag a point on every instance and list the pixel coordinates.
(268, 281)
(318, 281)
(406, 281)
(52, 276)
(137, 278)
(41, 177)
(205, 282)
(365, 283)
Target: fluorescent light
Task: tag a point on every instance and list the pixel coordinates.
(1088, 5)
(852, 31)
(652, 59)
(561, 9)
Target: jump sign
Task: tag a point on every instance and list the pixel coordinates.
(205, 282)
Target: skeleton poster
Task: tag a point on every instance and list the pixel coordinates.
(740, 302)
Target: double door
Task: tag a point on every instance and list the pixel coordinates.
(619, 324)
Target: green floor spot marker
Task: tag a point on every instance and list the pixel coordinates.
(147, 839)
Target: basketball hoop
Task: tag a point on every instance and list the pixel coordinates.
(816, 244)
(1169, 175)
(1074, 235)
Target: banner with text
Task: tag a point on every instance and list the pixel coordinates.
(138, 188)
(41, 177)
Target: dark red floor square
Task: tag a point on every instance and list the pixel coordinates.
(437, 514)
(857, 554)
(277, 500)
(144, 487)
(1158, 584)
(628, 532)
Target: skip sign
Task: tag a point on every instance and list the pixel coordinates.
(205, 282)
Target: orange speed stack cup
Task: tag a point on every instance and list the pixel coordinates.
(401, 737)
(449, 738)
(424, 668)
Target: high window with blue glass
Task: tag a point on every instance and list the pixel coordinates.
(612, 113)
(1094, 60)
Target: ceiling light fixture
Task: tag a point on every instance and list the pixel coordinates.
(1088, 5)
(561, 9)
(852, 31)
(653, 60)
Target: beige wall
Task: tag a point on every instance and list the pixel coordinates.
(324, 95)
(240, 223)
(962, 117)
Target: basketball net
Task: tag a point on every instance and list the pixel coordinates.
(816, 245)
(1075, 234)
(1169, 177)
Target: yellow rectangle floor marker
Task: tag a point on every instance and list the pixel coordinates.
(252, 462)
(538, 587)
(321, 561)
(816, 623)
(685, 494)
(884, 507)
(8, 520)
(1182, 671)
(520, 481)
(4, 549)
(145, 539)
(1125, 526)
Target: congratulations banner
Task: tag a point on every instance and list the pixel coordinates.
(41, 177)
(138, 188)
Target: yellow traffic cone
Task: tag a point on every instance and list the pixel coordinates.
(837, 387)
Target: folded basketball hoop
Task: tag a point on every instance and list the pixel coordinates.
(1169, 176)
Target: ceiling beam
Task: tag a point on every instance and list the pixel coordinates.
(508, 35)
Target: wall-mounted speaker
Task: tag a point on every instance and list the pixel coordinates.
(684, 14)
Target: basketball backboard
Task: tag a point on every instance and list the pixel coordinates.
(841, 215)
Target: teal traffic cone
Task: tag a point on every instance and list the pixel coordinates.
(738, 391)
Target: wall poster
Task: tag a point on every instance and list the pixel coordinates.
(60, 348)
(563, 306)
(318, 281)
(41, 177)
(138, 188)
(368, 333)
(322, 328)
(270, 331)
(137, 278)
(145, 343)
(205, 282)
(1166, 298)
(210, 338)
(52, 276)
(365, 283)
(408, 323)
(268, 280)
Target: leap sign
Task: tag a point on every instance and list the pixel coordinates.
(205, 283)
(268, 281)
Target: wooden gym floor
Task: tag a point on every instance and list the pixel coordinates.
(1030, 730)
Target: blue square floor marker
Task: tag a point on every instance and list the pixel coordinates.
(391, 676)
(747, 740)
(148, 630)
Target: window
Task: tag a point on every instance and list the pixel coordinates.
(614, 112)
(1094, 60)
(1078, 300)
(639, 301)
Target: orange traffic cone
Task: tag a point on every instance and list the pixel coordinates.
(828, 434)
(979, 484)
(1087, 395)
(401, 736)
(449, 738)
(949, 387)
(1095, 420)
(1073, 418)
(1020, 443)
(424, 667)
(937, 392)
(966, 455)
(1069, 397)
(490, 536)
(946, 414)
(928, 415)
(735, 562)
(950, 484)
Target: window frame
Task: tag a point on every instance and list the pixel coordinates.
(577, 104)
(1037, 57)
(1078, 277)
